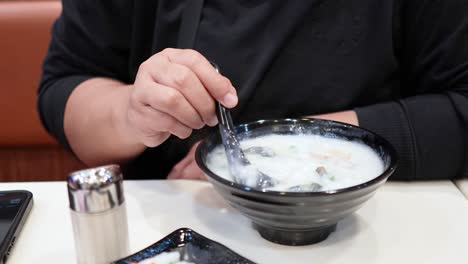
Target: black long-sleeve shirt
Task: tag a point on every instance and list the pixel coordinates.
(402, 65)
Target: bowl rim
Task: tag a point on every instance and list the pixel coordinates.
(266, 122)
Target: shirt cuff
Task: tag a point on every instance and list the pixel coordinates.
(52, 102)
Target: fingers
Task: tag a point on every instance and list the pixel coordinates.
(186, 83)
(166, 123)
(217, 85)
(178, 168)
(173, 103)
(187, 168)
(154, 127)
(191, 171)
(175, 92)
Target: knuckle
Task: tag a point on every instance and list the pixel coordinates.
(211, 109)
(208, 112)
(182, 77)
(137, 102)
(173, 99)
(167, 50)
(223, 86)
(174, 127)
(199, 125)
(151, 138)
(186, 133)
(150, 142)
(138, 91)
(144, 66)
(170, 125)
(194, 57)
(147, 131)
(211, 106)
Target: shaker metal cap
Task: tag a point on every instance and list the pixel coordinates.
(95, 190)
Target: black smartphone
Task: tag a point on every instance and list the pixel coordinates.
(14, 209)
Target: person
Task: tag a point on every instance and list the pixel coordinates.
(130, 82)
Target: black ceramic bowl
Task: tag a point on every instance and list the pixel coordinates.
(298, 218)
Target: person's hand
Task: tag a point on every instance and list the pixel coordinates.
(187, 168)
(175, 92)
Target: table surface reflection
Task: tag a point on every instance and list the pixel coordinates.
(421, 222)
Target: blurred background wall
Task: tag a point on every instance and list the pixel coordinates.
(27, 152)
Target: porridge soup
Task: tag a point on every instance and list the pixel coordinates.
(304, 162)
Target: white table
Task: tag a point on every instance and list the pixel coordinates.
(463, 186)
(402, 223)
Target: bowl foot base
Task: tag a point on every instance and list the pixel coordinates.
(295, 237)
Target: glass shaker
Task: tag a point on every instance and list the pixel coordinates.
(98, 214)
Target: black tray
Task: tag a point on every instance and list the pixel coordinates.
(195, 247)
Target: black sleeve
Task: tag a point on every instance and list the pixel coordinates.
(429, 126)
(89, 39)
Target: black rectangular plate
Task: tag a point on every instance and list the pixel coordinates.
(192, 246)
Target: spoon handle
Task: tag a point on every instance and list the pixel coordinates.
(223, 114)
(224, 117)
(237, 162)
(227, 130)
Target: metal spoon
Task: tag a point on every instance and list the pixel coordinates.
(262, 151)
(238, 163)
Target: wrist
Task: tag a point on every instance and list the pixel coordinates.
(120, 119)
